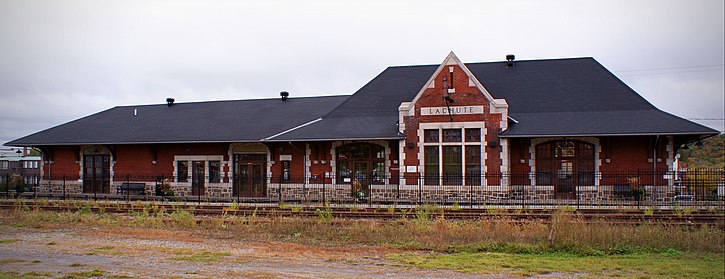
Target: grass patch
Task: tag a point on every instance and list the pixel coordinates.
(647, 265)
(9, 240)
(29, 275)
(85, 274)
(203, 256)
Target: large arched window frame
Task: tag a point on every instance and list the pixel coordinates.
(361, 161)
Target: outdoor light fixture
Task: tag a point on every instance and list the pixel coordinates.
(447, 97)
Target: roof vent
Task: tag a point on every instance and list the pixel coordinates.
(510, 60)
(169, 102)
(285, 95)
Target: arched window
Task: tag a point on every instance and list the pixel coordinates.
(364, 162)
(565, 164)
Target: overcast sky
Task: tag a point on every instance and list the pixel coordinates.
(62, 60)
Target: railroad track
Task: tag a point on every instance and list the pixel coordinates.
(208, 211)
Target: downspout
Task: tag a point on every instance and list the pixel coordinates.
(654, 165)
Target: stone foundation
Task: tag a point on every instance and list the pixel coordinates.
(464, 194)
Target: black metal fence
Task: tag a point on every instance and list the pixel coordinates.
(702, 187)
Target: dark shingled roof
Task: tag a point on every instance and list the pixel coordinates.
(218, 121)
(554, 97)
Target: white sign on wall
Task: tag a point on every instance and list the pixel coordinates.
(452, 110)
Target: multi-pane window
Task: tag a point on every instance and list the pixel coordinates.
(452, 165)
(214, 171)
(473, 135)
(451, 135)
(182, 171)
(452, 156)
(3, 165)
(30, 164)
(431, 165)
(430, 135)
(473, 164)
(361, 162)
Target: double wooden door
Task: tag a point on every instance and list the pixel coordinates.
(250, 179)
(97, 174)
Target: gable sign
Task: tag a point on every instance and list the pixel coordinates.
(452, 110)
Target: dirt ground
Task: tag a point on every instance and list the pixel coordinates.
(154, 253)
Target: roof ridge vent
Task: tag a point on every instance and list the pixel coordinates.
(285, 95)
(169, 102)
(510, 60)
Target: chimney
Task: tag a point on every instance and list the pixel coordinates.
(510, 60)
(169, 102)
(285, 95)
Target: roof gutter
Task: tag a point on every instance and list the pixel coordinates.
(606, 135)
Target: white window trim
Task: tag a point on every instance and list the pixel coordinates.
(193, 158)
(440, 126)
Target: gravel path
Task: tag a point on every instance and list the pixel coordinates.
(149, 253)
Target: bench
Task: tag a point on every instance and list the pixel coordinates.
(131, 187)
(622, 190)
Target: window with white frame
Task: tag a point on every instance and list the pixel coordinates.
(30, 164)
(452, 156)
(211, 172)
(3, 165)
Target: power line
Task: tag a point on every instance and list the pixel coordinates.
(672, 68)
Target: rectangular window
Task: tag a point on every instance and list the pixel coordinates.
(285, 170)
(431, 165)
(3, 165)
(451, 135)
(430, 135)
(473, 135)
(452, 165)
(214, 171)
(473, 165)
(182, 171)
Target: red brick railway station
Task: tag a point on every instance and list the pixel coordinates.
(535, 130)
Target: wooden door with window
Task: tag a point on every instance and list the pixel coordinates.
(250, 179)
(97, 174)
(565, 165)
(198, 176)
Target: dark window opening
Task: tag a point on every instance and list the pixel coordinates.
(214, 171)
(182, 171)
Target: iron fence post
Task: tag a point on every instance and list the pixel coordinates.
(279, 189)
(420, 188)
(128, 196)
(578, 190)
(324, 201)
(63, 185)
(470, 193)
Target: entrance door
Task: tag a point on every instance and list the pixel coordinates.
(565, 165)
(361, 176)
(250, 178)
(97, 174)
(198, 176)
(565, 180)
